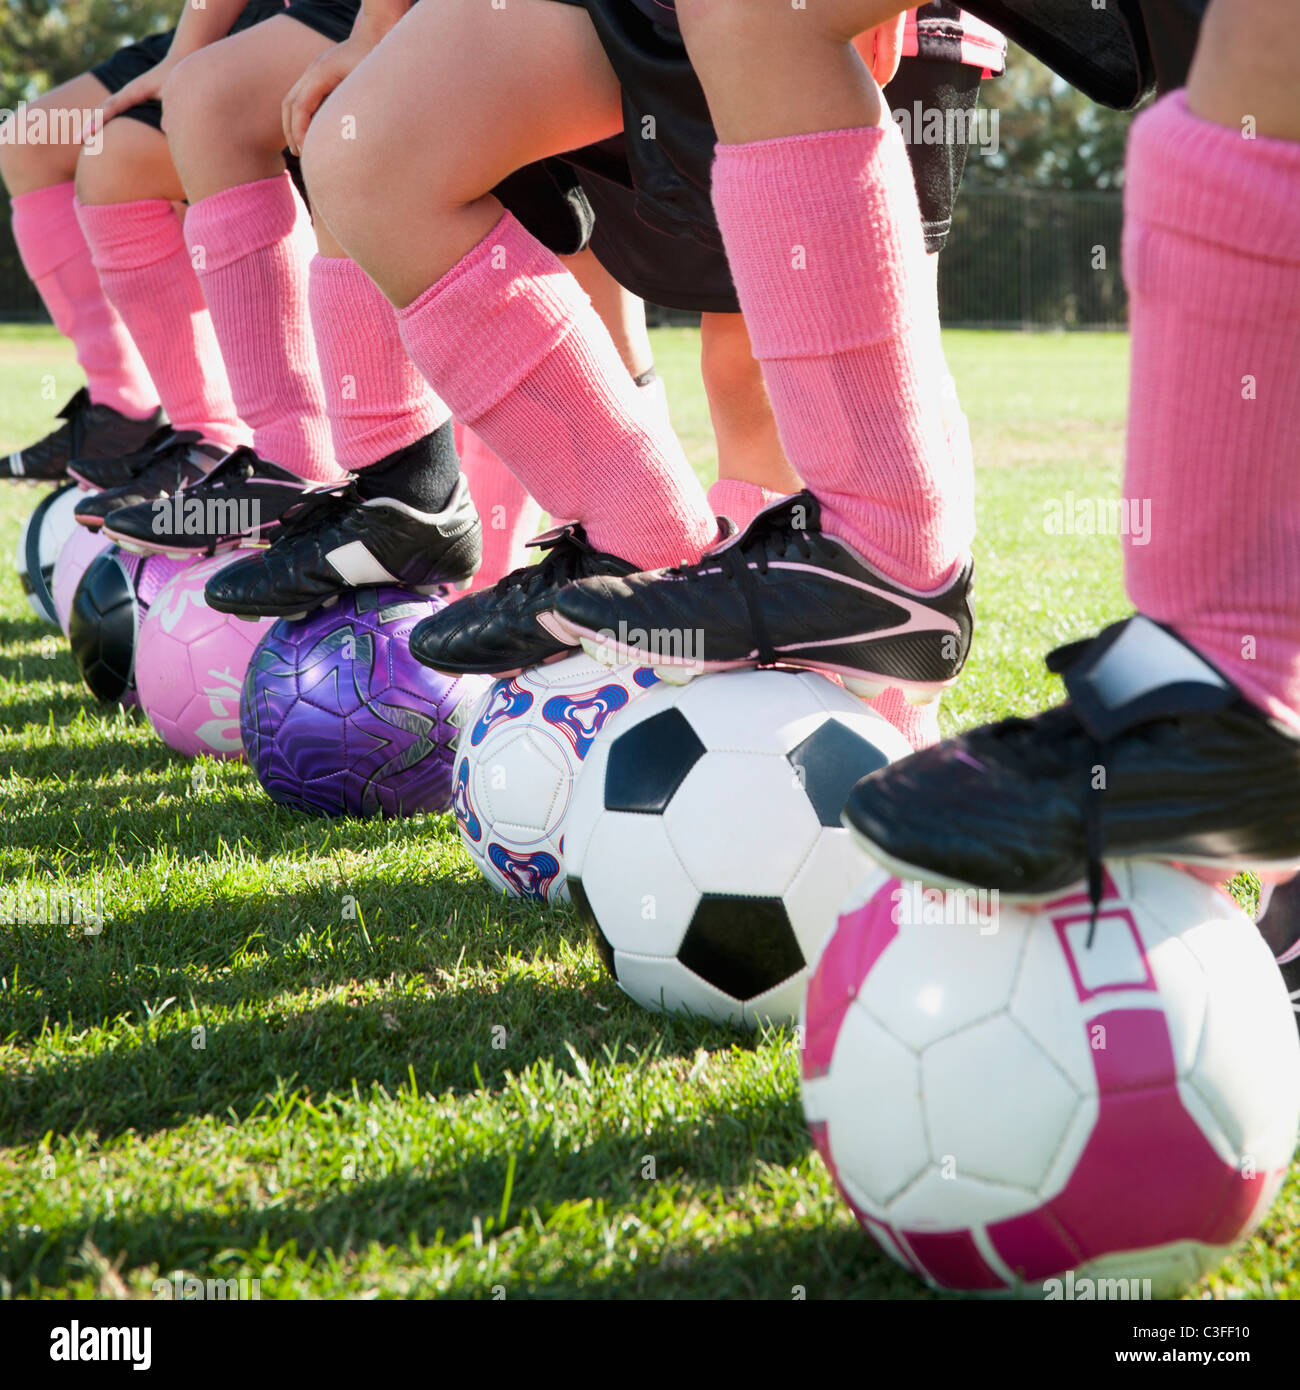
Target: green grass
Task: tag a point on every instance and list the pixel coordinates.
(437, 1093)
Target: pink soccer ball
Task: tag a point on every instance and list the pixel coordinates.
(1022, 1102)
(190, 665)
(73, 561)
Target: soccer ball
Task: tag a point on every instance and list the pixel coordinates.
(190, 665)
(339, 719)
(705, 847)
(1023, 1101)
(107, 609)
(79, 550)
(43, 536)
(520, 752)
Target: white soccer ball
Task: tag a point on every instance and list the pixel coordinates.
(517, 757)
(42, 537)
(704, 844)
(1011, 1106)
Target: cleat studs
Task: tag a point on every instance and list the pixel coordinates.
(600, 651)
(677, 675)
(920, 698)
(863, 689)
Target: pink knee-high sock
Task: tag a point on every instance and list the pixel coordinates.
(139, 251)
(509, 515)
(823, 233)
(58, 261)
(376, 401)
(1212, 262)
(509, 340)
(251, 246)
(739, 500)
(919, 724)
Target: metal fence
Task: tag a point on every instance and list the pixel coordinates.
(18, 298)
(1032, 259)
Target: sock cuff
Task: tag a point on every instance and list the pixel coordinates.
(1208, 181)
(238, 222)
(46, 228)
(823, 232)
(130, 236)
(740, 500)
(338, 285)
(511, 279)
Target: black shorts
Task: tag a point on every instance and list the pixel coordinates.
(545, 197)
(655, 228)
(135, 59)
(1117, 52)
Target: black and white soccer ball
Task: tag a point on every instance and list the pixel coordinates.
(43, 536)
(704, 844)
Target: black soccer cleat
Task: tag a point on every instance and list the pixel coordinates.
(179, 459)
(333, 541)
(86, 429)
(1156, 756)
(498, 631)
(1279, 924)
(242, 501)
(97, 474)
(780, 592)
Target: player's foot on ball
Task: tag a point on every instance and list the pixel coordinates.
(1156, 756)
(96, 473)
(334, 540)
(87, 429)
(180, 458)
(780, 592)
(498, 631)
(242, 501)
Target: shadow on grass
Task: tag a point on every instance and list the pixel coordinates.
(234, 813)
(448, 1039)
(582, 1189)
(239, 951)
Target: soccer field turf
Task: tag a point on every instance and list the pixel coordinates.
(440, 1093)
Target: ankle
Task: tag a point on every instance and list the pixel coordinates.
(423, 475)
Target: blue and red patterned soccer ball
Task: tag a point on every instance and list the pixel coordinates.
(338, 718)
(521, 751)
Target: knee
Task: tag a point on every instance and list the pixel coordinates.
(331, 172)
(34, 164)
(201, 99)
(109, 173)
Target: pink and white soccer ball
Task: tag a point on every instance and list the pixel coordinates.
(73, 561)
(190, 665)
(1004, 1104)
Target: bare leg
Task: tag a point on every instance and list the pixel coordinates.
(223, 105)
(134, 164)
(539, 85)
(749, 449)
(28, 168)
(817, 83)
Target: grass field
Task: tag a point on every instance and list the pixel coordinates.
(235, 1080)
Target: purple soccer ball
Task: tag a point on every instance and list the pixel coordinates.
(339, 719)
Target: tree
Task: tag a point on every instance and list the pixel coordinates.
(1049, 134)
(45, 42)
